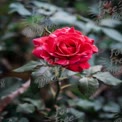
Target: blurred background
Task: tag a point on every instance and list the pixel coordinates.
(23, 20)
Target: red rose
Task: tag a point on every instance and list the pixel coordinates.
(67, 47)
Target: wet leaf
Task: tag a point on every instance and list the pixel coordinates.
(107, 78)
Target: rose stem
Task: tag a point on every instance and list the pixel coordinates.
(58, 86)
(58, 91)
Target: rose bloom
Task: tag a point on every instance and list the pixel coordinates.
(66, 47)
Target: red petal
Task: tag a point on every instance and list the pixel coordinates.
(85, 65)
(94, 48)
(75, 68)
(62, 61)
(39, 41)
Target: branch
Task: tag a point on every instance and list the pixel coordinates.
(99, 91)
(8, 99)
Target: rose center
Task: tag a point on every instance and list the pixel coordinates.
(67, 48)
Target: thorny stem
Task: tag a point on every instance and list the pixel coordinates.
(58, 86)
(59, 70)
(58, 91)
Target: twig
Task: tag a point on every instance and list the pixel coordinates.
(8, 99)
(99, 91)
(6, 64)
(47, 30)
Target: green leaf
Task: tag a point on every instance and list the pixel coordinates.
(111, 107)
(45, 8)
(28, 67)
(112, 34)
(26, 108)
(77, 113)
(67, 73)
(93, 69)
(107, 115)
(18, 7)
(88, 86)
(82, 103)
(71, 73)
(9, 85)
(12, 119)
(36, 103)
(107, 78)
(23, 120)
(110, 22)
